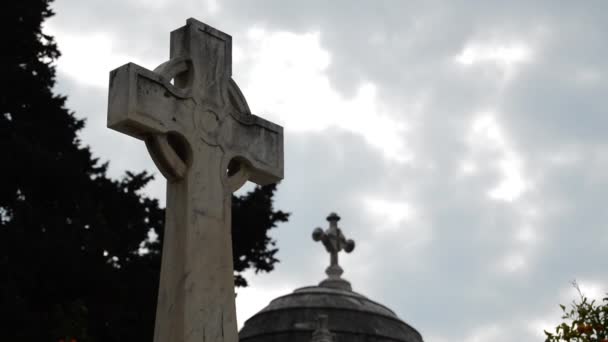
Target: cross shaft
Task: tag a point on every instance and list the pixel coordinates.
(201, 135)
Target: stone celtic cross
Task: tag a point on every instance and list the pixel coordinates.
(202, 137)
(334, 242)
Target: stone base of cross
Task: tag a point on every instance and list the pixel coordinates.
(202, 136)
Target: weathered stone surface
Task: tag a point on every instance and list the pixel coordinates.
(321, 333)
(202, 136)
(351, 318)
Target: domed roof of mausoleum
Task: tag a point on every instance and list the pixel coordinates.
(331, 311)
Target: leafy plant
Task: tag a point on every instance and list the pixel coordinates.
(585, 321)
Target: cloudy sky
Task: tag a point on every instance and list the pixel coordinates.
(463, 143)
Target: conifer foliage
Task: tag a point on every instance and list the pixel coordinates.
(70, 236)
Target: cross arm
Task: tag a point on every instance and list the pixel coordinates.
(258, 143)
(143, 103)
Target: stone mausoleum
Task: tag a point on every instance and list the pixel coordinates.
(330, 311)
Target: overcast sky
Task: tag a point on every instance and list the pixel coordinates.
(463, 143)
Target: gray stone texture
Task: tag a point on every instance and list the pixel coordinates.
(351, 318)
(202, 136)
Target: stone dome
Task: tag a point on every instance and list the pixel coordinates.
(344, 315)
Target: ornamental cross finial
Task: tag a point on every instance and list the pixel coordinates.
(334, 242)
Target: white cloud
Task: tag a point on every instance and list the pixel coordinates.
(491, 332)
(588, 76)
(504, 56)
(152, 4)
(526, 234)
(538, 326)
(250, 300)
(212, 6)
(390, 215)
(487, 137)
(287, 80)
(514, 261)
(468, 167)
(590, 288)
(88, 58)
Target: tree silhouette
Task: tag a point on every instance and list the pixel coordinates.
(70, 236)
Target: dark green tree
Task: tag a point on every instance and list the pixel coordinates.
(584, 321)
(70, 236)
